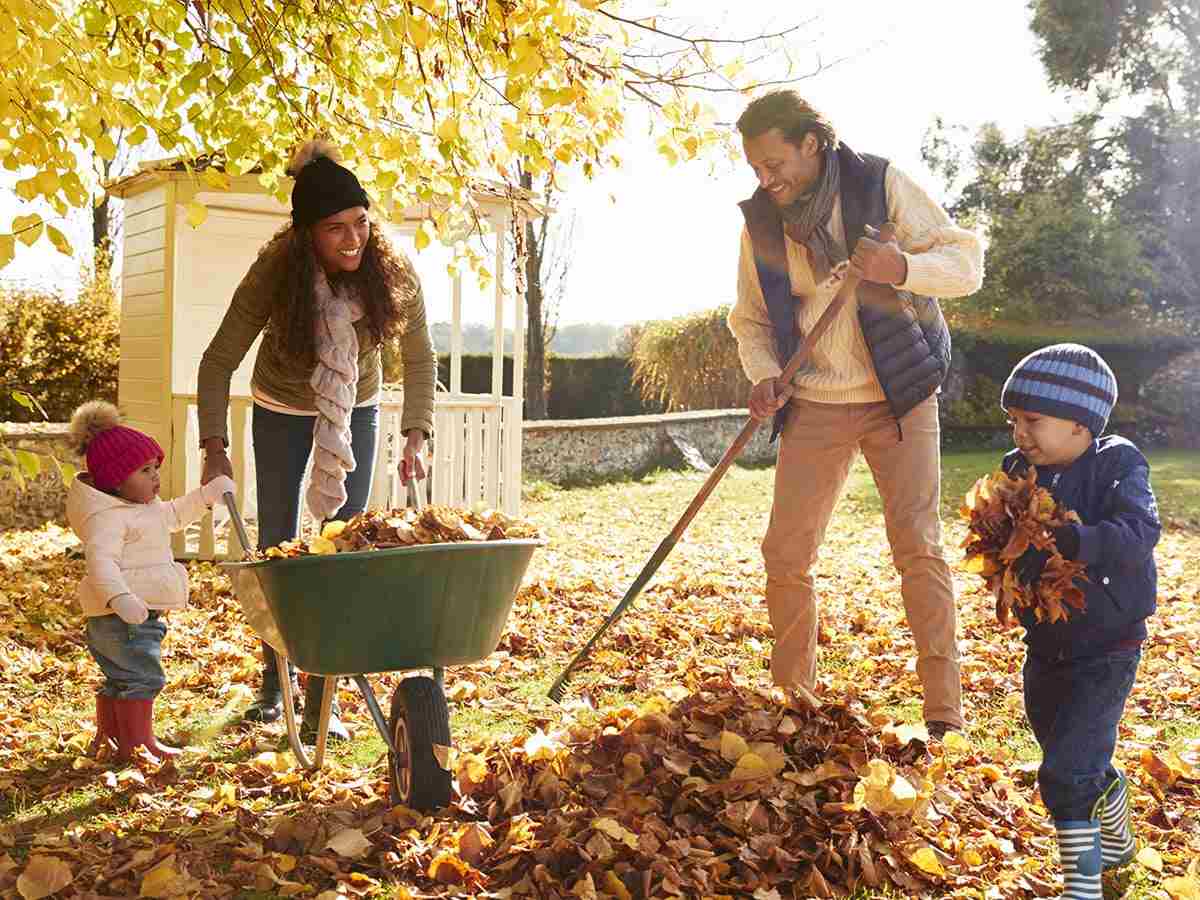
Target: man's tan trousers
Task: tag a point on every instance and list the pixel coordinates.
(817, 447)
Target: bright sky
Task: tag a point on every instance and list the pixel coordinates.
(655, 241)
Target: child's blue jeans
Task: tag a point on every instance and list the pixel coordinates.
(130, 656)
(1075, 707)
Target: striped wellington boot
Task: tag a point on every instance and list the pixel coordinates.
(1079, 850)
(1117, 846)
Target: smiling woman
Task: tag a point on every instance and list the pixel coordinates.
(326, 292)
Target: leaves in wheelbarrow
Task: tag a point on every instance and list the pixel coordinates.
(387, 530)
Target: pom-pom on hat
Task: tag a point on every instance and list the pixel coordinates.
(1067, 381)
(323, 186)
(113, 451)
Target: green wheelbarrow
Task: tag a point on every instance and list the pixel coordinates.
(411, 608)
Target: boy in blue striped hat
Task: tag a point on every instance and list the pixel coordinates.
(1079, 673)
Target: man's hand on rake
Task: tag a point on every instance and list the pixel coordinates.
(878, 260)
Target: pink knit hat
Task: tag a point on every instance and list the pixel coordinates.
(113, 451)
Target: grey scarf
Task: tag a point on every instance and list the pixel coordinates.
(806, 221)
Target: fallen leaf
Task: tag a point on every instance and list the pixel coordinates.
(43, 876)
(474, 843)
(926, 860)
(540, 746)
(750, 766)
(447, 868)
(350, 843)
(616, 831)
(733, 746)
(164, 880)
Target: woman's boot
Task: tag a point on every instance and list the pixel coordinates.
(268, 705)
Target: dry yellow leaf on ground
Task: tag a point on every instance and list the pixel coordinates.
(750, 766)
(926, 860)
(733, 746)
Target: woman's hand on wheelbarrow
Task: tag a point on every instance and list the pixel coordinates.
(215, 490)
(411, 465)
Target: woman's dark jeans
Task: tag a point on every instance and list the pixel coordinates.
(282, 445)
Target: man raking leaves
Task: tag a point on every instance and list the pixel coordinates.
(1079, 524)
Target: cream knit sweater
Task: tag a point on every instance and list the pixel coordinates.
(943, 261)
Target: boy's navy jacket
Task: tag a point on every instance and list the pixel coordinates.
(1109, 487)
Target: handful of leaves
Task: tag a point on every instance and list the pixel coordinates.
(1006, 516)
(386, 530)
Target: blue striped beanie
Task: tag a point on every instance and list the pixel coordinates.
(1067, 381)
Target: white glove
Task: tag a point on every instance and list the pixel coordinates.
(217, 489)
(130, 608)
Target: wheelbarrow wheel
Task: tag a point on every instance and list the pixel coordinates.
(419, 723)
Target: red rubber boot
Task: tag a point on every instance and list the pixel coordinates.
(135, 719)
(107, 733)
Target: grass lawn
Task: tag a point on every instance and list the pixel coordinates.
(701, 618)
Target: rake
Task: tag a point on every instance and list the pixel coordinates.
(887, 233)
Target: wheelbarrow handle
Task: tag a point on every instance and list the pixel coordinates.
(412, 489)
(238, 524)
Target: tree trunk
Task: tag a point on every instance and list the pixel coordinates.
(100, 238)
(535, 335)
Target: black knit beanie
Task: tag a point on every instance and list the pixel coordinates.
(323, 186)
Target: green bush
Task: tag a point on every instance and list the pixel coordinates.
(690, 362)
(581, 387)
(62, 352)
(980, 404)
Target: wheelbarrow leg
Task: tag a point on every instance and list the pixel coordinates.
(289, 713)
(328, 691)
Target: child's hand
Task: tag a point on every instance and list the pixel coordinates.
(130, 608)
(216, 489)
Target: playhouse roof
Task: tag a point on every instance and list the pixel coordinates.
(245, 193)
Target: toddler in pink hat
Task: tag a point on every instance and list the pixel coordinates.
(132, 578)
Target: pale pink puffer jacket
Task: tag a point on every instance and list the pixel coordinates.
(128, 547)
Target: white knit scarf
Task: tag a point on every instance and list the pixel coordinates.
(335, 383)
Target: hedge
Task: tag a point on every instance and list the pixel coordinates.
(63, 352)
(586, 387)
(581, 387)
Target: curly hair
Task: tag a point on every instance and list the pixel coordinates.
(386, 282)
(786, 110)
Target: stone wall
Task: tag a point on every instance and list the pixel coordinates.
(44, 498)
(585, 450)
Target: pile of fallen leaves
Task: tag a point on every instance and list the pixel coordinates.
(387, 530)
(726, 792)
(1006, 516)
